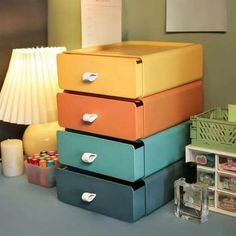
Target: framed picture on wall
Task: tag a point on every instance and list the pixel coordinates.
(196, 15)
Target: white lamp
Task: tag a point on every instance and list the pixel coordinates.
(28, 96)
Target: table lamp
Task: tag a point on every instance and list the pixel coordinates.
(28, 96)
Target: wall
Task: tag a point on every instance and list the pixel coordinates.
(145, 20)
(23, 24)
(64, 28)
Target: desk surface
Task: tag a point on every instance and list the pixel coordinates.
(27, 209)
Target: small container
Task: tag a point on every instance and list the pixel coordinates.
(50, 163)
(44, 176)
(29, 159)
(191, 198)
(211, 129)
(227, 182)
(227, 163)
(232, 112)
(211, 198)
(205, 159)
(43, 163)
(52, 153)
(205, 177)
(56, 161)
(35, 161)
(227, 202)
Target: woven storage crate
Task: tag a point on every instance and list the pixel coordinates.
(211, 129)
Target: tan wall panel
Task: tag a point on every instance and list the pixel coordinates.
(64, 27)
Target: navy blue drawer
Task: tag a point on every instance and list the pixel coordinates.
(117, 198)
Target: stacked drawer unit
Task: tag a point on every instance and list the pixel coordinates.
(125, 108)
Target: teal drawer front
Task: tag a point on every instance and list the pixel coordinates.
(166, 147)
(113, 158)
(119, 199)
(122, 160)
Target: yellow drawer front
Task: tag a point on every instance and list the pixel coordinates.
(116, 76)
(131, 69)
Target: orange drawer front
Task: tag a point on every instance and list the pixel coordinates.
(129, 119)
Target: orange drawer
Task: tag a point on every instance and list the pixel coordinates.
(130, 69)
(126, 118)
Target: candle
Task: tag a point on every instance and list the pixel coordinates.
(12, 157)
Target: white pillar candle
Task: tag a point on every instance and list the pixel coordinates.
(12, 157)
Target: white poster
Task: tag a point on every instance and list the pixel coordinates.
(101, 22)
(196, 15)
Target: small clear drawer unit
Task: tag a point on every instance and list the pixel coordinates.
(218, 170)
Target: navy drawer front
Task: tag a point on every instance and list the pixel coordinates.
(112, 199)
(122, 200)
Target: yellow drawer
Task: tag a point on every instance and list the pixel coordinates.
(130, 69)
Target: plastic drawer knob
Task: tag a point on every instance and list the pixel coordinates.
(89, 118)
(89, 76)
(88, 157)
(88, 197)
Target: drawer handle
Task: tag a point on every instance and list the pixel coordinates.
(89, 76)
(90, 118)
(88, 197)
(88, 157)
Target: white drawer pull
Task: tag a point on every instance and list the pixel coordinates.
(88, 157)
(89, 76)
(88, 197)
(90, 118)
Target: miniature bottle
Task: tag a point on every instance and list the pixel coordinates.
(191, 198)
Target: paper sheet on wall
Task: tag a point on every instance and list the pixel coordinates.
(196, 15)
(101, 22)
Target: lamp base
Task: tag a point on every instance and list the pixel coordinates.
(38, 137)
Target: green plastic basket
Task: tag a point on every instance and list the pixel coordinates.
(211, 129)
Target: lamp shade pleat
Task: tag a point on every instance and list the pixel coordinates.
(28, 95)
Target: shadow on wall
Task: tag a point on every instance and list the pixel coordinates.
(23, 24)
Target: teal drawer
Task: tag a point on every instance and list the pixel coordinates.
(123, 160)
(113, 158)
(117, 198)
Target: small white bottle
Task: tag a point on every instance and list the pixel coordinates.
(191, 198)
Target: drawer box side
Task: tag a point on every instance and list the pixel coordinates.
(173, 68)
(166, 147)
(160, 186)
(171, 107)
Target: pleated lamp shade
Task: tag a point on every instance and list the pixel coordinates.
(28, 95)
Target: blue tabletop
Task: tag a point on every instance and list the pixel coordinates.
(28, 210)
